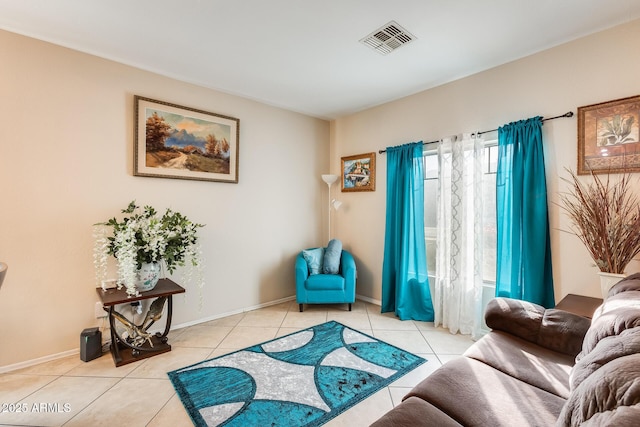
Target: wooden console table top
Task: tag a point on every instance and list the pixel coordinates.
(165, 287)
(579, 304)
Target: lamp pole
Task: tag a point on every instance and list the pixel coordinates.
(329, 179)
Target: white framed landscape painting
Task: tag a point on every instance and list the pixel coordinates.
(172, 141)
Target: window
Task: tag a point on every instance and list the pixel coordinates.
(489, 208)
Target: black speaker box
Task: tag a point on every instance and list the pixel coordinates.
(90, 344)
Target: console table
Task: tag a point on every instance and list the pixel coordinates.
(579, 304)
(125, 350)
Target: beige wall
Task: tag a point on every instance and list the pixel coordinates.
(590, 70)
(66, 154)
(66, 126)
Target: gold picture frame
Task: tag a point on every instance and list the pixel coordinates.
(609, 137)
(172, 141)
(359, 172)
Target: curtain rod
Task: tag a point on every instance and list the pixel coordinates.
(567, 114)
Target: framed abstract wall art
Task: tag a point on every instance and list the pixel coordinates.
(172, 141)
(609, 137)
(359, 172)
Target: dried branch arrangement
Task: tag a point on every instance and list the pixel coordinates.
(606, 218)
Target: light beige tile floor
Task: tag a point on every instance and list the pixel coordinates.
(70, 392)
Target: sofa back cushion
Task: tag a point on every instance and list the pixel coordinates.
(605, 381)
(629, 283)
(607, 350)
(609, 396)
(617, 314)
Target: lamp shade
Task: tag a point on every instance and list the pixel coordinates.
(329, 179)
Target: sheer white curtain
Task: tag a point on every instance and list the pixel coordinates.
(458, 284)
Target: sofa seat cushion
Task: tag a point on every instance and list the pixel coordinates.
(325, 282)
(412, 410)
(610, 396)
(531, 363)
(475, 394)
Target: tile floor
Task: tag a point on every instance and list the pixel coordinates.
(69, 392)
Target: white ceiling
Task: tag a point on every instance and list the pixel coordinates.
(305, 55)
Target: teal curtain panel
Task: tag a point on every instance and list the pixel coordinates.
(523, 248)
(405, 284)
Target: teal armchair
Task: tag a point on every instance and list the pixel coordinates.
(326, 288)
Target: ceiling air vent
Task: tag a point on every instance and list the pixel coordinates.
(388, 38)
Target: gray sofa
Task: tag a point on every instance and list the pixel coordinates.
(538, 367)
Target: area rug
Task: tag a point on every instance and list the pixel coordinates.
(302, 379)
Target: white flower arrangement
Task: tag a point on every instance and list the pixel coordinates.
(143, 237)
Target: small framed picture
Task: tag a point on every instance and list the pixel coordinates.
(172, 141)
(609, 137)
(359, 172)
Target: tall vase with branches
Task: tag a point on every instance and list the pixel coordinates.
(605, 216)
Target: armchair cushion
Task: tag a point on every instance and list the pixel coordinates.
(314, 258)
(331, 263)
(325, 282)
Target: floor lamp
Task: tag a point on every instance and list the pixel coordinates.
(330, 179)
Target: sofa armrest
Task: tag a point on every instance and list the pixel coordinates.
(554, 329)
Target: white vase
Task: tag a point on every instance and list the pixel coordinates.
(607, 280)
(148, 276)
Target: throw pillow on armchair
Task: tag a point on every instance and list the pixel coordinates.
(315, 259)
(331, 262)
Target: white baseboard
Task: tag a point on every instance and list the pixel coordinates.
(369, 300)
(43, 359)
(32, 362)
(231, 313)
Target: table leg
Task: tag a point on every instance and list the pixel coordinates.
(115, 348)
(167, 326)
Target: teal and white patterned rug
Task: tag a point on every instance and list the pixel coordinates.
(302, 379)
